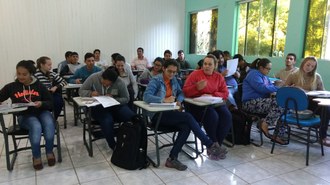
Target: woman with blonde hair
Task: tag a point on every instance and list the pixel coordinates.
(309, 80)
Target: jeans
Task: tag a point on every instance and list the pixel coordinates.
(183, 122)
(37, 124)
(217, 120)
(58, 104)
(107, 116)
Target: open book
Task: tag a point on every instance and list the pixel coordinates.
(162, 104)
(209, 99)
(105, 101)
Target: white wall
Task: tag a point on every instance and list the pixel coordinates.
(33, 28)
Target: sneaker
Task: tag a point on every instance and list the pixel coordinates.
(215, 153)
(223, 149)
(37, 164)
(174, 163)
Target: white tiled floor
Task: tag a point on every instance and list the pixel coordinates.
(243, 165)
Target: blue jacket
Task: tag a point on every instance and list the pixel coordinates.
(257, 85)
(156, 90)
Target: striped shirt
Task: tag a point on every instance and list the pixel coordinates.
(50, 80)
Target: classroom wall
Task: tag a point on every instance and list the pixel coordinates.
(33, 28)
(228, 12)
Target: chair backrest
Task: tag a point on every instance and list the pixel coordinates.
(292, 98)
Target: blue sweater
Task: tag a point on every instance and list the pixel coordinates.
(257, 85)
(82, 73)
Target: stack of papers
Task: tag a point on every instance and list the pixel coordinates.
(17, 105)
(162, 104)
(209, 99)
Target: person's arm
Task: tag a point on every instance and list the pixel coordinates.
(222, 90)
(76, 77)
(150, 94)
(88, 87)
(123, 95)
(319, 81)
(257, 83)
(46, 98)
(144, 76)
(4, 93)
(190, 86)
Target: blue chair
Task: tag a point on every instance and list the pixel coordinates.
(294, 99)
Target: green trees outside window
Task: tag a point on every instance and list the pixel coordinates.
(203, 31)
(317, 40)
(262, 27)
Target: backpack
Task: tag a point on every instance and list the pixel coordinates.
(241, 127)
(131, 149)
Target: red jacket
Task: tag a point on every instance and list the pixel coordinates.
(216, 85)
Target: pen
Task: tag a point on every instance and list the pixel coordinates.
(94, 87)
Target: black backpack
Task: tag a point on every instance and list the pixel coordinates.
(242, 128)
(131, 150)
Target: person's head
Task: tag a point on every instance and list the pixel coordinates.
(97, 54)
(309, 65)
(263, 65)
(74, 57)
(24, 71)
(209, 64)
(290, 60)
(120, 63)
(44, 64)
(180, 55)
(170, 68)
(241, 60)
(140, 52)
(67, 55)
(113, 57)
(167, 55)
(226, 55)
(219, 55)
(109, 76)
(158, 64)
(89, 60)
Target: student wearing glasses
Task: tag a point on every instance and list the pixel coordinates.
(257, 90)
(165, 88)
(156, 69)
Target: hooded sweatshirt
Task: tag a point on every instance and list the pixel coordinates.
(20, 93)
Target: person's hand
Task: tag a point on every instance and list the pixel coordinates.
(201, 84)
(94, 93)
(78, 81)
(37, 104)
(53, 89)
(224, 73)
(237, 74)
(170, 99)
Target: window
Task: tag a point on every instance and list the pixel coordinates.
(262, 27)
(203, 31)
(317, 42)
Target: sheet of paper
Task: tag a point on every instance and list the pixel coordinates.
(209, 99)
(16, 105)
(106, 101)
(232, 66)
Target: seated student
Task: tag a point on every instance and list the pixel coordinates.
(167, 55)
(147, 74)
(243, 67)
(85, 71)
(36, 119)
(290, 68)
(128, 78)
(256, 98)
(113, 58)
(52, 81)
(184, 64)
(140, 62)
(165, 88)
(230, 80)
(62, 64)
(309, 80)
(72, 66)
(208, 82)
(98, 61)
(107, 83)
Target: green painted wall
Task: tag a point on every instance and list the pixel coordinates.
(227, 21)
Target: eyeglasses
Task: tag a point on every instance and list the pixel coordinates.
(268, 68)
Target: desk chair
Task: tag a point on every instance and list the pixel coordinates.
(295, 99)
(17, 134)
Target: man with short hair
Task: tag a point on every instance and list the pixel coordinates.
(140, 62)
(62, 64)
(290, 68)
(72, 65)
(98, 61)
(184, 64)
